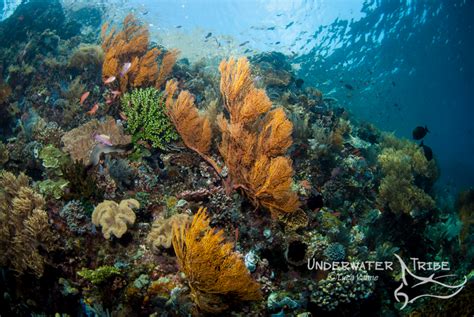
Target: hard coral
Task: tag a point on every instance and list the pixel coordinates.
(25, 233)
(146, 118)
(130, 45)
(216, 274)
(113, 217)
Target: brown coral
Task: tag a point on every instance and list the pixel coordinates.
(216, 274)
(161, 232)
(113, 217)
(80, 141)
(130, 45)
(24, 226)
(254, 138)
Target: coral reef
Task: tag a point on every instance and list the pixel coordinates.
(75, 216)
(113, 217)
(146, 118)
(130, 45)
(99, 275)
(25, 233)
(213, 270)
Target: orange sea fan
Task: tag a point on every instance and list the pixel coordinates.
(130, 45)
(216, 274)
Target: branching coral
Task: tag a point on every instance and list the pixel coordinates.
(113, 217)
(146, 118)
(130, 45)
(215, 273)
(79, 142)
(24, 229)
(254, 139)
(161, 232)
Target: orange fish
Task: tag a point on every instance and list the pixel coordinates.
(93, 109)
(84, 97)
(109, 80)
(123, 116)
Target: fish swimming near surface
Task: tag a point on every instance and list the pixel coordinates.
(93, 109)
(125, 69)
(109, 80)
(420, 132)
(242, 44)
(208, 35)
(84, 97)
(349, 86)
(103, 139)
(427, 151)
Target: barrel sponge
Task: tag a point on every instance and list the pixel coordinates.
(113, 217)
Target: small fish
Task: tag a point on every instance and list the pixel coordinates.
(93, 109)
(427, 151)
(84, 97)
(103, 139)
(179, 26)
(272, 28)
(299, 83)
(289, 24)
(109, 80)
(242, 44)
(123, 116)
(420, 132)
(125, 69)
(208, 35)
(349, 86)
(277, 42)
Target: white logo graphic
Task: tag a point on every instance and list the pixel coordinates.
(422, 281)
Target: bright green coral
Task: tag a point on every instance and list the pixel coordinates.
(146, 117)
(99, 275)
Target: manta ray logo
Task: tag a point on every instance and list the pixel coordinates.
(432, 279)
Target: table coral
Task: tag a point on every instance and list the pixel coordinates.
(113, 217)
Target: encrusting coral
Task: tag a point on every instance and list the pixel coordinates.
(216, 274)
(130, 45)
(113, 217)
(254, 139)
(79, 142)
(146, 118)
(161, 232)
(25, 233)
